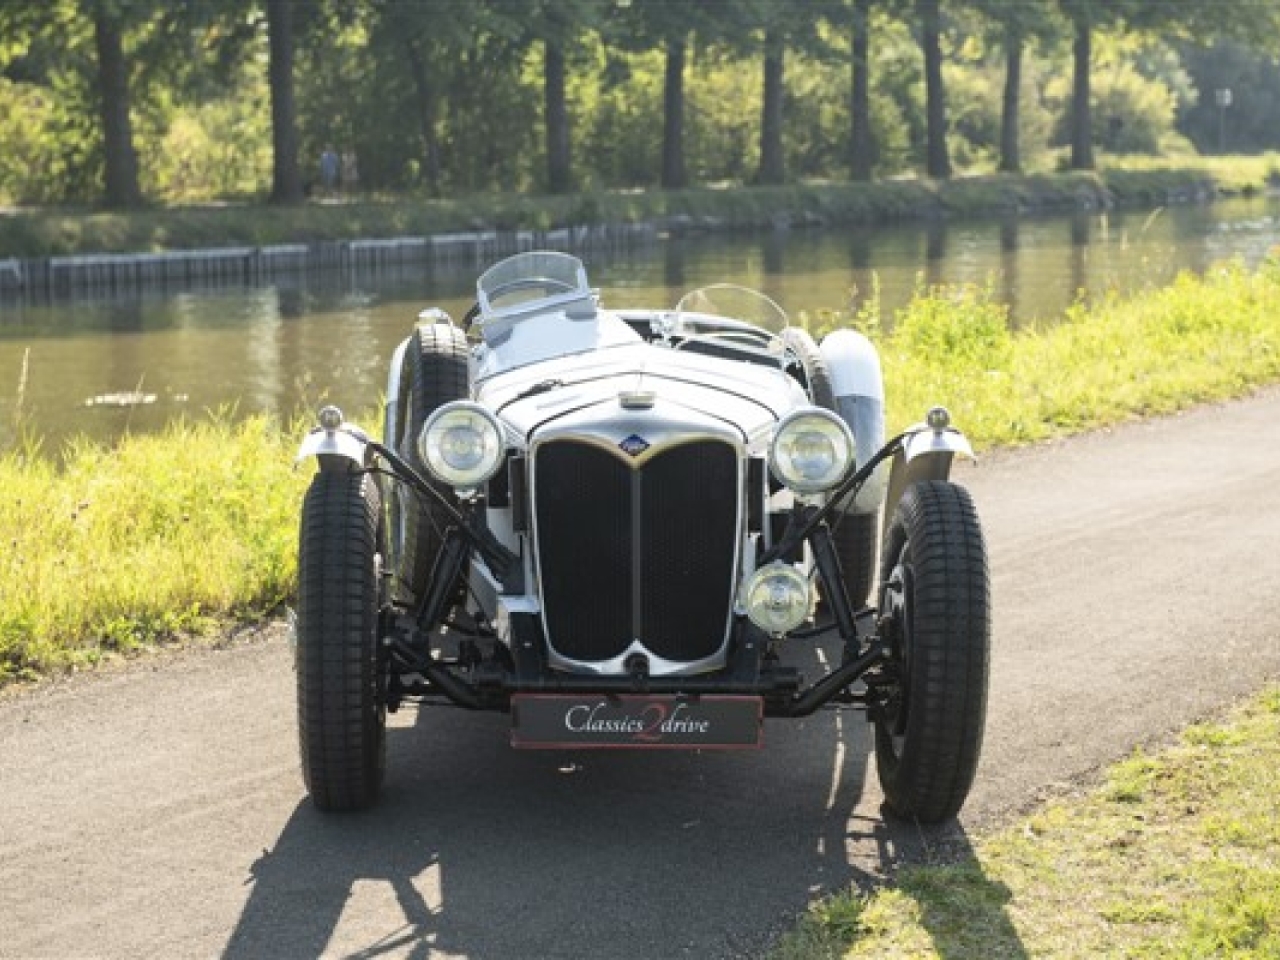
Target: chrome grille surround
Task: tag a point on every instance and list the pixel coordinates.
(615, 534)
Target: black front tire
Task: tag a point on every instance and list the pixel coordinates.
(936, 595)
(341, 712)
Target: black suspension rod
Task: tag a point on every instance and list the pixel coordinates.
(805, 520)
(828, 686)
(501, 560)
(824, 555)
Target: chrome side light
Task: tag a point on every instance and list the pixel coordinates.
(938, 419)
(461, 444)
(330, 418)
(812, 450)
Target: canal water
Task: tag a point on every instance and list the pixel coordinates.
(296, 341)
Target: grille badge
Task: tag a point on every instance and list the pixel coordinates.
(634, 445)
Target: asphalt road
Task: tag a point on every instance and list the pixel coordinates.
(158, 810)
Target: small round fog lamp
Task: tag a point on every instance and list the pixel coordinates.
(778, 598)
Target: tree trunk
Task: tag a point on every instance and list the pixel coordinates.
(862, 148)
(937, 161)
(673, 175)
(558, 170)
(120, 159)
(426, 117)
(1081, 110)
(1010, 156)
(286, 184)
(771, 165)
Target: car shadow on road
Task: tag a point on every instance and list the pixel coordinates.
(964, 911)
(480, 851)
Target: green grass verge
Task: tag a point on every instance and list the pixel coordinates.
(158, 535)
(1201, 338)
(56, 232)
(1176, 856)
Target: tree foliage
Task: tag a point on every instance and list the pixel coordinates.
(121, 101)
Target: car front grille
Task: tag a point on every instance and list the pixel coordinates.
(631, 552)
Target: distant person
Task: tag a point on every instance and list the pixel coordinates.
(350, 172)
(329, 171)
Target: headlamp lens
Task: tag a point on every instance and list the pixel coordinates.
(461, 444)
(812, 451)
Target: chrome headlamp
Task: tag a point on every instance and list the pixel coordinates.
(812, 450)
(461, 444)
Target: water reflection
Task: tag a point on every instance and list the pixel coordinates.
(774, 249)
(1007, 275)
(935, 252)
(1080, 253)
(281, 345)
(674, 257)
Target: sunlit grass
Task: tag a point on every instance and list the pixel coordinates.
(1236, 174)
(1199, 339)
(1177, 855)
(153, 537)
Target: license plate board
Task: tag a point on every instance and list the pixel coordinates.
(635, 722)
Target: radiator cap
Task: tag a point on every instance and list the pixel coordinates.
(637, 399)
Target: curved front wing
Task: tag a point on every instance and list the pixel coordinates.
(334, 447)
(926, 454)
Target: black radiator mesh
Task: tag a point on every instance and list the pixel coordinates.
(647, 553)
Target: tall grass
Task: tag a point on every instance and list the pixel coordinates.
(1199, 339)
(160, 535)
(157, 536)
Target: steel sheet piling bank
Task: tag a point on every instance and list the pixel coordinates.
(101, 275)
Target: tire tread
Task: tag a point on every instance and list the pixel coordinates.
(341, 728)
(950, 653)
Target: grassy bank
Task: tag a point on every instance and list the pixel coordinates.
(163, 534)
(159, 536)
(54, 232)
(1199, 339)
(1175, 856)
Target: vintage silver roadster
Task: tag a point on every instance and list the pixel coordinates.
(613, 523)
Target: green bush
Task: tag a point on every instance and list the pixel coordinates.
(1132, 113)
(618, 119)
(975, 99)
